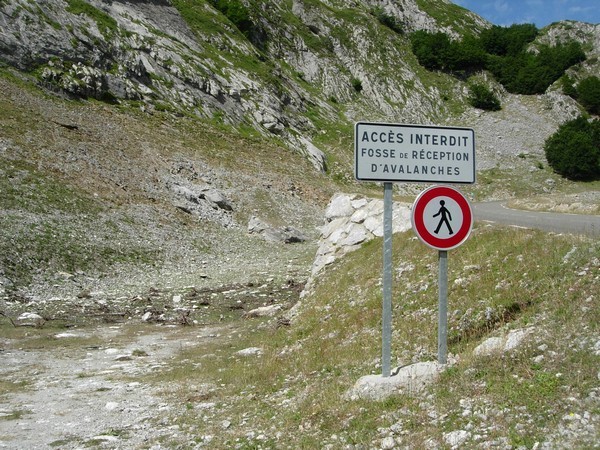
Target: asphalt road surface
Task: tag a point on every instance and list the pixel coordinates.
(559, 223)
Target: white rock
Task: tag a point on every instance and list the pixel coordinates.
(388, 443)
(263, 311)
(374, 225)
(516, 337)
(359, 216)
(456, 438)
(65, 335)
(30, 319)
(250, 351)
(105, 438)
(340, 206)
(359, 203)
(357, 236)
(111, 406)
(408, 379)
(510, 342)
(489, 347)
(206, 405)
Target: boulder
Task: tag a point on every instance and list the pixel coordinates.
(263, 311)
(349, 222)
(502, 344)
(287, 235)
(29, 319)
(410, 379)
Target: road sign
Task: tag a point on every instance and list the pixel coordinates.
(442, 217)
(395, 152)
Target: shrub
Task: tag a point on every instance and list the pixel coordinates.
(356, 84)
(574, 150)
(236, 12)
(511, 40)
(387, 20)
(527, 73)
(588, 94)
(431, 49)
(501, 51)
(568, 87)
(483, 98)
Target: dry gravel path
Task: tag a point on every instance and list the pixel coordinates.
(82, 396)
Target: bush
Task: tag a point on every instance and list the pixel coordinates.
(574, 150)
(356, 84)
(236, 12)
(435, 51)
(431, 49)
(568, 87)
(501, 51)
(483, 98)
(387, 20)
(503, 41)
(588, 94)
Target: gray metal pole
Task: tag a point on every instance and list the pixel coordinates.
(443, 308)
(386, 353)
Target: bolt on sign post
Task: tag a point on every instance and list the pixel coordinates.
(389, 153)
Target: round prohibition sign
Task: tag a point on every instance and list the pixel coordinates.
(442, 218)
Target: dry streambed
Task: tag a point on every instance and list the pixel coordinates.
(67, 385)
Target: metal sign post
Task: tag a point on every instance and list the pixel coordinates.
(386, 338)
(387, 152)
(442, 218)
(443, 308)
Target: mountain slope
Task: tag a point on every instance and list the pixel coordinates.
(295, 74)
(197, 115)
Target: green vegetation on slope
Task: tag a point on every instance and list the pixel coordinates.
(292, 396)
(574, 150)
(106, 24)
(502, 51)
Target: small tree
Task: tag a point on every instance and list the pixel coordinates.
(568, 87)
(356, 84)
(483, 98)
(574, 150)
(588, 94)
(387, 20)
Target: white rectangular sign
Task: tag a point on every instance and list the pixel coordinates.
(395, 152)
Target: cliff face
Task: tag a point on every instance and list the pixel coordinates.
(299, 69)
(298, 65)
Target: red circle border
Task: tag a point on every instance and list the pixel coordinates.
(418, 223)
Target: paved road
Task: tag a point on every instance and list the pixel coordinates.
(557, 222)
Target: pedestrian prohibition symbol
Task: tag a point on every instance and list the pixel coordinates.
(442, 218)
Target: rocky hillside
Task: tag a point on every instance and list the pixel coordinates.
(171, 162)
(173, 128)
(297, 70)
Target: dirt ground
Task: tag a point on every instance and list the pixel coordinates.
(85, 392)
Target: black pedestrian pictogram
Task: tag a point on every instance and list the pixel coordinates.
(446, 216)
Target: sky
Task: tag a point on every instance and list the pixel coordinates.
(538, 12)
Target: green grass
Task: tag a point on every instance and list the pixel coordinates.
(10, 387)
(296, 387)
(52, 245)
(449, 15)
(24, 186)
(14, 415)
(526, 185)
(106, 24)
